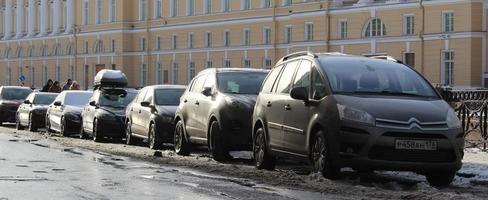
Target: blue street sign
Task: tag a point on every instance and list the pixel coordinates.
(21, 78)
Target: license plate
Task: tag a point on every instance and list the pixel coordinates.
(416, 144)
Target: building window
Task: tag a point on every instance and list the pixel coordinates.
(33, 75)
(287, 2)
(113, 10)
(98, 47)
(85, 12)
(159, 73)
(157, 9)
(143, 75)
(227, 63)
(64, 15)
(308, 32)
(142, 9)
(267, 36)
(343, 29)
(191, 71)
(208, 39)
(374, 28)
(85, 47)
(288, 34)
(113, 46)
(226, 38)
(174, 78)
(71, 73)
(158, 43)
(409, 59)
(207, 6)
(98, 12)
(58, 72)
(208, 64)
(447, 21)
(266, 3)
(247, 63)
(44, 73)
(267, 63)
(173, 4)
(143, 44)
(225, 5)
(245, 4)
(246, 36)
(165, 76)
(448, 67)
(174, 41)
(190, 40)
(190, 7)
(408, 24)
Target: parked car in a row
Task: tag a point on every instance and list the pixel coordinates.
(64, 114)
(10, 99)
(32, 112)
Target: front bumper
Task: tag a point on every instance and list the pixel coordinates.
(8, 112)
(112, 127)
(73, 125)
(165, 129)
(38, 119)
(374, 148)
(237, 131)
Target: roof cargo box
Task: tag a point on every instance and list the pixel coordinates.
(113, 78)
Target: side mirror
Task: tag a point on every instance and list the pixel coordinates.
(57, 103)
(92, 103)
(207, 91)
(145, 104)
(27, 102)
(299, 93)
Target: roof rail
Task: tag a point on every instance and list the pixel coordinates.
(297, 54)
(388, 58)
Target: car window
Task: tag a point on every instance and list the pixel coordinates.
(286, 77)
(209, 81)
(141, 95)
(149, 95)
(30, 98)
(198, 84)
(240, 82)
(302, 78)
(168, 97)
(271, 79)
(77, 99)
(372, 76)
(15, 93)
(60, 97)
(117, 98)
(318, 85)
(43, 99)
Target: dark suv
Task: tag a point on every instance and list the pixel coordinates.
(216, 110)
(337, 111)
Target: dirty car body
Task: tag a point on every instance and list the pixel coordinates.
(32, 112)
(64, 114)
(10, 99)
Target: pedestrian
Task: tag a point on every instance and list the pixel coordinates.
(74, 86)
(67, 85)
(48, 85)
(55, 88)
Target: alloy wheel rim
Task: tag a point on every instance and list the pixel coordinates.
(152, 140)
(258, 149)
(319, 152)
(127, 133)
(178, 137)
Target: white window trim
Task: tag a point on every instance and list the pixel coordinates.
(243, 2)
(190, 12)
(222, 9)
(339, 28)
(244, 37)
(264, 35)
(142, 10)
(173, 8)
(443, 66)
(174, 42)
(208, 39)
(226, 40)
(443, 21)
(85, 12)
(156, 9)
(112, 12)
(405, 28)
(192, 41)
(284, 3)
(290, 39)
(207, 3)
(142, 75)
(98, 15)
(307, 31)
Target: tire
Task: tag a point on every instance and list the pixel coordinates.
(216, 143)
(18, 126)
(153, 141)
(48, 125)
(182, 147)
(262, 159)
(129, 139)
(321, 157)
(32, 127)
(82, 131)
(62, 127)
(440, 178)
(97, 137)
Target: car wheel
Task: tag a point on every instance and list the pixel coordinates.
(129, 139)
(153, 141)
(216, 143)
(440, 178)
(97, 137)
(62, 127)
(48, 124)
(262, 159)
(82, 131)
(182, 147)
(31, 123)
(321, 157)
(18, 126)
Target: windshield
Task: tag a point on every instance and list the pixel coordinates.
(77, 99)
(116, 98)
(368, 76)
(44, 99)
(168, 97)
(240, 82)
(15, 93)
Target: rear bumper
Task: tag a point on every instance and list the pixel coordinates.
(111, 128)
(7, 113)
(38, 119)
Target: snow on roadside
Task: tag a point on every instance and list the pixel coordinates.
(474, 170)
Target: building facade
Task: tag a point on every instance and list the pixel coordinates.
(169, 41)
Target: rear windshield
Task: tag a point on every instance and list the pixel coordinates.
(168, 97)
(240, 82)
(15, 93)
(77, 99)
(369, 76)
(44, 99)
(116, 98)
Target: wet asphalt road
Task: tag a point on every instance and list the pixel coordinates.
(44, 169)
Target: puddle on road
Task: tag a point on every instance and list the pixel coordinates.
(71, 150)
(13, 178)
(40, 172)
(22, 165)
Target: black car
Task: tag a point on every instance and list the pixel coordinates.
(216, 110)
(10, 99)
(339, 111)
(32, 113)
(151, 115)
(104, 116)
(64, 114)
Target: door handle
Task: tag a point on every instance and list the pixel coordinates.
(184, 101)
(139, 111)
(197, 103)
(288, 107)
(268, 104)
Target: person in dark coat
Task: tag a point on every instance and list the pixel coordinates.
(55, 88)
(48, 85)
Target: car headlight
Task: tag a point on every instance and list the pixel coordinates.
(452, 120)
(352, 114)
